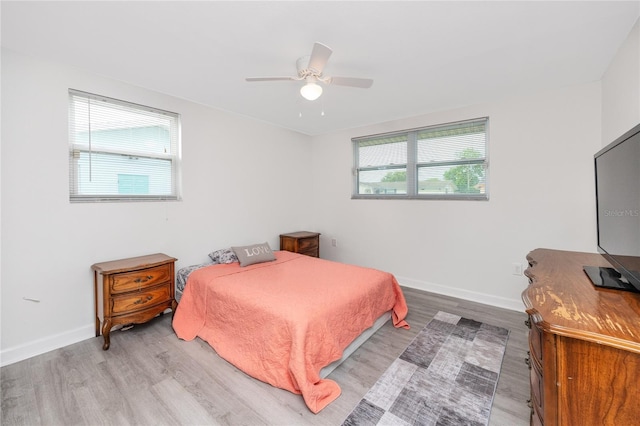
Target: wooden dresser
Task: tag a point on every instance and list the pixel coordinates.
(132, 291)
(584, 344)
(302, 242)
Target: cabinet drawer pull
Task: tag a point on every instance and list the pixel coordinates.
(145, 300)
(527, 322)
(143, 280)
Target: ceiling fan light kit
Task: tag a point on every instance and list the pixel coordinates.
(311, 91)
(312, 74)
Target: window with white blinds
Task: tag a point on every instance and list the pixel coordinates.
(447, 161)
(120, 151)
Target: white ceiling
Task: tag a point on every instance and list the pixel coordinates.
(423, 56)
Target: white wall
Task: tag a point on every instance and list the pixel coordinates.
(621, 89)
(244, 182)
(541, 195)
(238, 188)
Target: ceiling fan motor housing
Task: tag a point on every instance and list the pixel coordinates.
(302, 65)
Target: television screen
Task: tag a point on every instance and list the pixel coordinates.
(617, 168)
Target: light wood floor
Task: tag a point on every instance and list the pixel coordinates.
(150, 377)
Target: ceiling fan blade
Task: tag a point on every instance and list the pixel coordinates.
(363, 83)
(270, 78)
(319, 57)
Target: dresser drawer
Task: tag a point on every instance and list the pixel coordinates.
(535, 342)
(537, 390)
(130, 281)
(536, 419)
(141, 299)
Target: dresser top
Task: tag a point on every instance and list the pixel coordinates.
(562, 300)
(132, 263)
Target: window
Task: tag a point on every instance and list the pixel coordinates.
(447, 161)
(119, 151)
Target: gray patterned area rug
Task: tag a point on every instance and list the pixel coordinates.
(446, 376)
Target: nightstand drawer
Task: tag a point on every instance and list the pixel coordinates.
(312, 253)
(140, 279)
(307, 245)
(141, 299)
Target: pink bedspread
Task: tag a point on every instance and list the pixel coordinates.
(283, 321)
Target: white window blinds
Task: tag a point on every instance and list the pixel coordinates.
(447, 161)
(120, 151)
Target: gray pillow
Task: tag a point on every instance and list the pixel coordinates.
(255, 253)
(223, 256)
(183, 274)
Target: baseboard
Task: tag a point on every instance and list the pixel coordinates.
(41, 346)
(500, 302)
(49, 343)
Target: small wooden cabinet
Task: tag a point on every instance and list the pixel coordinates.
(584, 344)
(302, 242)
(132, 291)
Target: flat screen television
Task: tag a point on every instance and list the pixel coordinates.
(617, 168)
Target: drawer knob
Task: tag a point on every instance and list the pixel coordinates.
(527, 322)
(145, 300)
(143, 280)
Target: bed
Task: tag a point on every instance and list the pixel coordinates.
(287, 321)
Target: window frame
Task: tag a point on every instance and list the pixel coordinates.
(412, 166)
(76, 149)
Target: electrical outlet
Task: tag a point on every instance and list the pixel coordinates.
(334, 242)
(516, 268)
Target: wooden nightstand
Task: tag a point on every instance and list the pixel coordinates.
(132, 291)
(302, 242)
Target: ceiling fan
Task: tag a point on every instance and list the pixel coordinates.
(310, 70)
